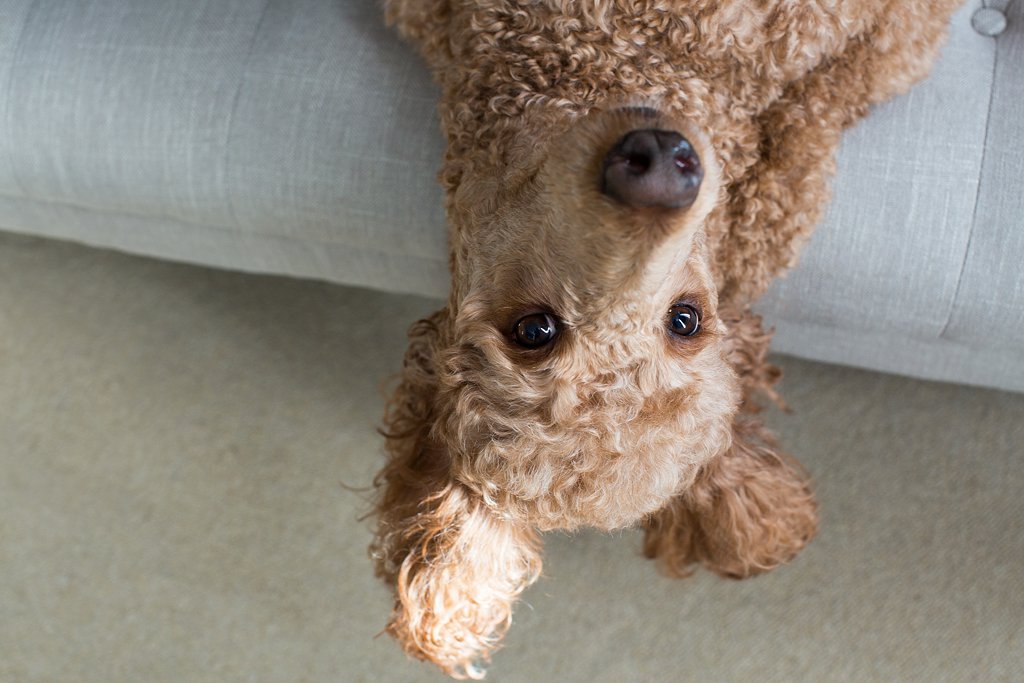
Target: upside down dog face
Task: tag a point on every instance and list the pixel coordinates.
(582, 380)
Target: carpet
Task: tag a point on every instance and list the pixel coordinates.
(177, 452)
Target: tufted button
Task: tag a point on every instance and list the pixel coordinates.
(989, 22)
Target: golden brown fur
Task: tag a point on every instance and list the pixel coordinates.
(618, 422)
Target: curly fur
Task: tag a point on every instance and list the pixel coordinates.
(618, 423)
(749, 511)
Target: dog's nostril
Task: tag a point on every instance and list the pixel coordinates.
(638, 163)
(652, 168)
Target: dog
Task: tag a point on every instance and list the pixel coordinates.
(623, 178)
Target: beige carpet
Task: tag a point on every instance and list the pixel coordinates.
(173, 442)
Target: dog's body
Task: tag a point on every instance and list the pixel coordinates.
(622, 179)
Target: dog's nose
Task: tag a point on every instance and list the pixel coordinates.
(653, 168)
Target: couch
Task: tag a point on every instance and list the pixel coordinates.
(299, 137)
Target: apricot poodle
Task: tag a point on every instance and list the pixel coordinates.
(622, 179)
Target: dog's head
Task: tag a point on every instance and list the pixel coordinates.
(579, 368)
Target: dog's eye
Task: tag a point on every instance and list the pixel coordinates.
(684, 320)
(535, 330)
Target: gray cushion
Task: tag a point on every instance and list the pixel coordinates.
(917, 267)
(990, 298)
(300, 137)
(292, 136)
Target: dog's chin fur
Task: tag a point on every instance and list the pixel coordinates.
(567, 442)
(617, 421)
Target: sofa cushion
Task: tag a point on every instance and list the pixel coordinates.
(916, 268)
(989, 306)
(296, 136)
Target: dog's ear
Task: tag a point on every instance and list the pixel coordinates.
(424, 23)
(456, 568)
(749, 510)
(461, 572)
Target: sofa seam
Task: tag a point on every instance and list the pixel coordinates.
(953, 307)
(228, 193)
(27, 232)
(9, 90)
(353, 244)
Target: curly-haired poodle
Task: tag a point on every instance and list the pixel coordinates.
(622, 179)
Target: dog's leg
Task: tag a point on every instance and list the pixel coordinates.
(776, 204)
(750, 510)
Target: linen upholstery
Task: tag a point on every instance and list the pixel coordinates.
(990, 299)
(299, 137)
(918, 266)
